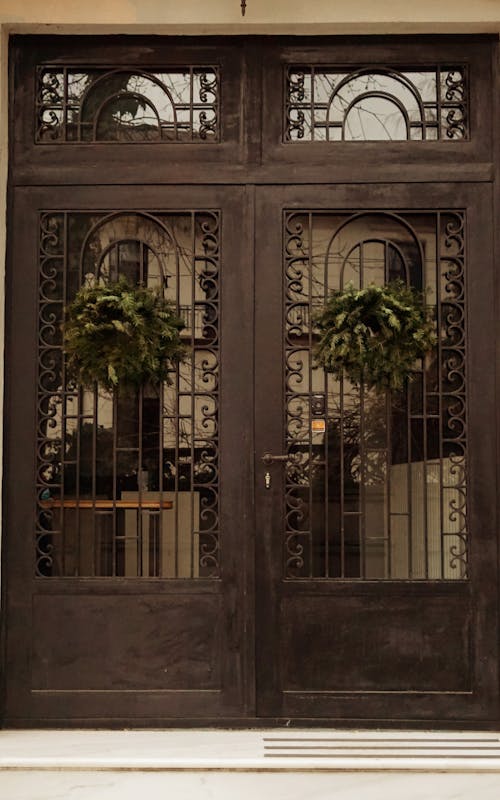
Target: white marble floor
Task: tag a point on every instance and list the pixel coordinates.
(114, 785)
(278, 764)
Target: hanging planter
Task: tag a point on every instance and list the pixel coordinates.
(120, 335)
(374, 334)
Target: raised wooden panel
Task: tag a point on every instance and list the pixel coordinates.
(126, 642)
(349, 644)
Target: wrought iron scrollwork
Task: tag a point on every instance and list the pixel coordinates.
(453, 367)
(375, 486)
(370, 103)
(50, 364)
(84, 103)
(128, 485)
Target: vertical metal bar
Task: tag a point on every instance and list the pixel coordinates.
(114, 498)
(326, 379)
(193, 391)
(94, 475)
(440, 388)
(362, 448)
(64, 397)
(286, 106)
(177, 434)
(313, 106)
(77, 473)
(438, 101)
(341, 464)
(310, 378)
(65, 104)
(425, 443)
(161, 447)
(388, 485)
(191, 102)
(140, 473)
(409, 481)
(388, 457)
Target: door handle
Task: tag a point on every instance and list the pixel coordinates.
(269, 458)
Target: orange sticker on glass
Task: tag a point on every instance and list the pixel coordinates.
(318, 425)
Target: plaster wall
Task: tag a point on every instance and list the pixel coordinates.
(220, 17)
(261, 16)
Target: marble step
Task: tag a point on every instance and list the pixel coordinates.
(277, 764)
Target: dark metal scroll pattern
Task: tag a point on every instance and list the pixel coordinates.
(381, 491)
(370, 103)
(127, 105)
(454, 105)
(297, 518)
(453, 376)
(295, 116)
(49, 446)
(97, 451)
(206, 478)
(208, 119)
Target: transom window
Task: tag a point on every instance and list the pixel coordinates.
(76, 104)
(376, 104)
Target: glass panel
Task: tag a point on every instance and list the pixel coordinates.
(128, 483)
(376, 104)
(376, 485)
(125, 105)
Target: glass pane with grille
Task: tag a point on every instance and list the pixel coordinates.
(375, 483)
(376, 104)
(127, 483)
(125, 105)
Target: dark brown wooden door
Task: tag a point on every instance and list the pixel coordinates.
(376, 554)
(117, 609)
(354, 578)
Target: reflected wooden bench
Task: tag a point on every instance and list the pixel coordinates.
(95, 550)
(109, 505)
(170, 545)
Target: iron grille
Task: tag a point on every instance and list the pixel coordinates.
(127, 483)
(376, 483)
(376, 103)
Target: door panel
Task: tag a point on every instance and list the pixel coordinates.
(125, 588)
(377, 547)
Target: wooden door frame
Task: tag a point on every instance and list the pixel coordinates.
(251, 160)
(273, 591)
(228, 595)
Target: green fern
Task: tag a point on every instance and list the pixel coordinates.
(374, 334)
(121, 335)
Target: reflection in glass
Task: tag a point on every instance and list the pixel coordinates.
(128, 483)
(123, 105)
(370, 104)
(377, 488)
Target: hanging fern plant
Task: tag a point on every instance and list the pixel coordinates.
(374, 334)
(121, 335)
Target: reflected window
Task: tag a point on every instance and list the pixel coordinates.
(376, 104)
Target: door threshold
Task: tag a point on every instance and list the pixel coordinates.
(266, 750)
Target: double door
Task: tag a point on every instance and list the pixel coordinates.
(258, 540)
